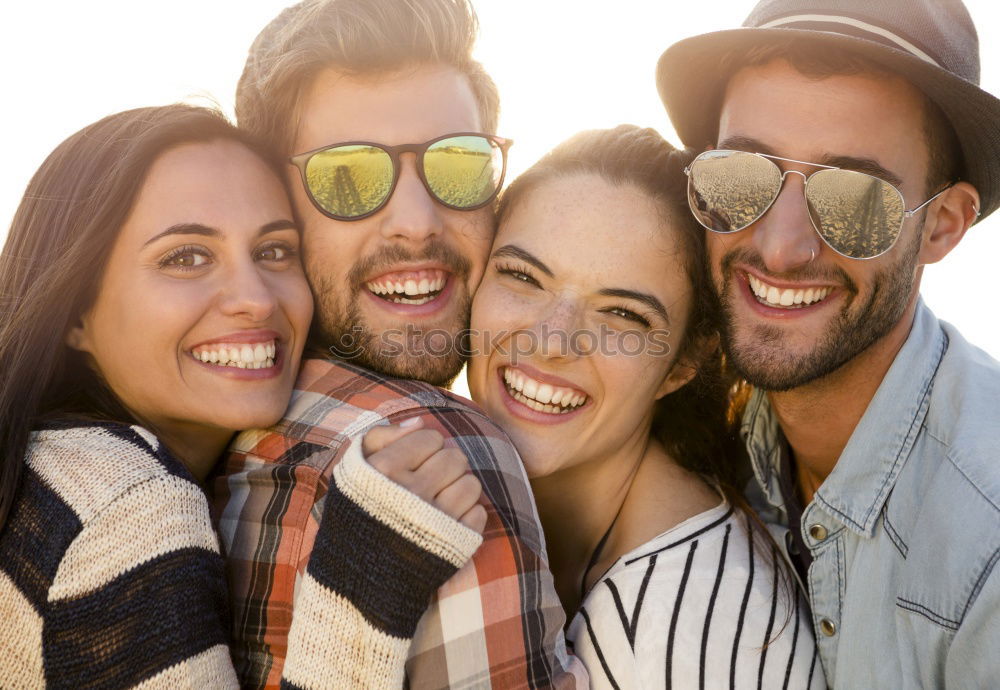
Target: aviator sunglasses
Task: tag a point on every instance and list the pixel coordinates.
(858, 215)
(353, 180)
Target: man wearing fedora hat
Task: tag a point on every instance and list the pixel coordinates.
(846, 144)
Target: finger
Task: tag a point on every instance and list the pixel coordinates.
(460, 496)
(437, 472)
(381, 436)
(475, 518)
(398, 459)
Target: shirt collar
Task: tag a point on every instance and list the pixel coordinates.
(867, 470)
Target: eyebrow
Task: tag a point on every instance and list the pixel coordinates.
(869, 166)
(206, 231)
(649, 300)
(516, 252)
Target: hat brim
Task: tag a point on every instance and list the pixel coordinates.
(691, 84)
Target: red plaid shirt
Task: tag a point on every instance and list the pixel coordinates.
(496, 623)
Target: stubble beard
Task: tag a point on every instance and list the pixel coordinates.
(757, 353)
(340, 329)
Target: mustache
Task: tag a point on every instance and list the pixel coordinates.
(388, 256)
(809, 272)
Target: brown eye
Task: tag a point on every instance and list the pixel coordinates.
(272, 254)
(186, 258)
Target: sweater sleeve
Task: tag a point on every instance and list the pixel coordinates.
(138, 599)
(380, 554)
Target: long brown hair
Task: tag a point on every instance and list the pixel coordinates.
(54, 258)
(696, 424)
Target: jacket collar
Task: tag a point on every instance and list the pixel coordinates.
(867, 470)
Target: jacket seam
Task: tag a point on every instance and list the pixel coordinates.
(981, 581)
(926, 613)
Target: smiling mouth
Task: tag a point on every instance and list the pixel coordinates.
(409, 287)
(542, 397)
(786, 298)
(238, 355)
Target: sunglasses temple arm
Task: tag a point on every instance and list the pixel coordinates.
(909, 214)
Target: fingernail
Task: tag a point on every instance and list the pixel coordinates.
(412, 421)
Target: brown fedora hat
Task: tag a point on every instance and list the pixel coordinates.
(931, 43)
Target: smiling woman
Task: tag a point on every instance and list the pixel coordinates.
(154, 303)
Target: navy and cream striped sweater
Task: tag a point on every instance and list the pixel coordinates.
(111, 577)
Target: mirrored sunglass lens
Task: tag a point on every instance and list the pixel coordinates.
(463, 172)
(728, 191)
(857, 214)
(351, 180)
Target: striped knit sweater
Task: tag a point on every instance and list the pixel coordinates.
(111, 577)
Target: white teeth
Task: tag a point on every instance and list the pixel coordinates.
(244, 356)
(417, 288)
(543, 397)
(530, 388)
(787, 297)
(544, 394)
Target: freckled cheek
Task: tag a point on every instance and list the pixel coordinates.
(629, 382)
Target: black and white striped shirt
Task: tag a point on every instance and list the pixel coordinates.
(699, 606)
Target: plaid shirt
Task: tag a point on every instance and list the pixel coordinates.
(496, 623)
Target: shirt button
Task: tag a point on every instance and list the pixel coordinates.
(817, 532)
(827, 627)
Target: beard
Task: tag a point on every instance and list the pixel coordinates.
(759, 354)
(435, 356)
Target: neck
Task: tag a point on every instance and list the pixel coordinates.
(198, 448)
(819, 418)
(577, 505)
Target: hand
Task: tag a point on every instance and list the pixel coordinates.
(416, 459)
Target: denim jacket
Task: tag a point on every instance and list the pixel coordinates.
(905, 532)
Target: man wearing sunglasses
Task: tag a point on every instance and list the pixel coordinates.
(388, 127)
(846, 144)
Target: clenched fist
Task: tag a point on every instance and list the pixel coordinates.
(416, 459)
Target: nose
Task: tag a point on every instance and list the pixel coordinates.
(784, 237)
(411, 214)
(559, 329)
(246, 294)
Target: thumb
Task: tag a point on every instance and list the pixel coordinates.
(381, 436)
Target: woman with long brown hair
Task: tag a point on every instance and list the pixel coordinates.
(153, 304)
(597, 353)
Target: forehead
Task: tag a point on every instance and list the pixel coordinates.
(404, 107)
(591, 231)
(860, 115)
(217, 183)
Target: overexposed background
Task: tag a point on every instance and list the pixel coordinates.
(561, 65)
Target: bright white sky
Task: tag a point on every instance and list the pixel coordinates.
(562, 66)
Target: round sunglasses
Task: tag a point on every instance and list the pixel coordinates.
(857, 215)
(354, 179)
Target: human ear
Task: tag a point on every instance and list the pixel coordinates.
(686, 366)
(78, 337)
(947, 223)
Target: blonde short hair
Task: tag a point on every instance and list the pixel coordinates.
(357, 37)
